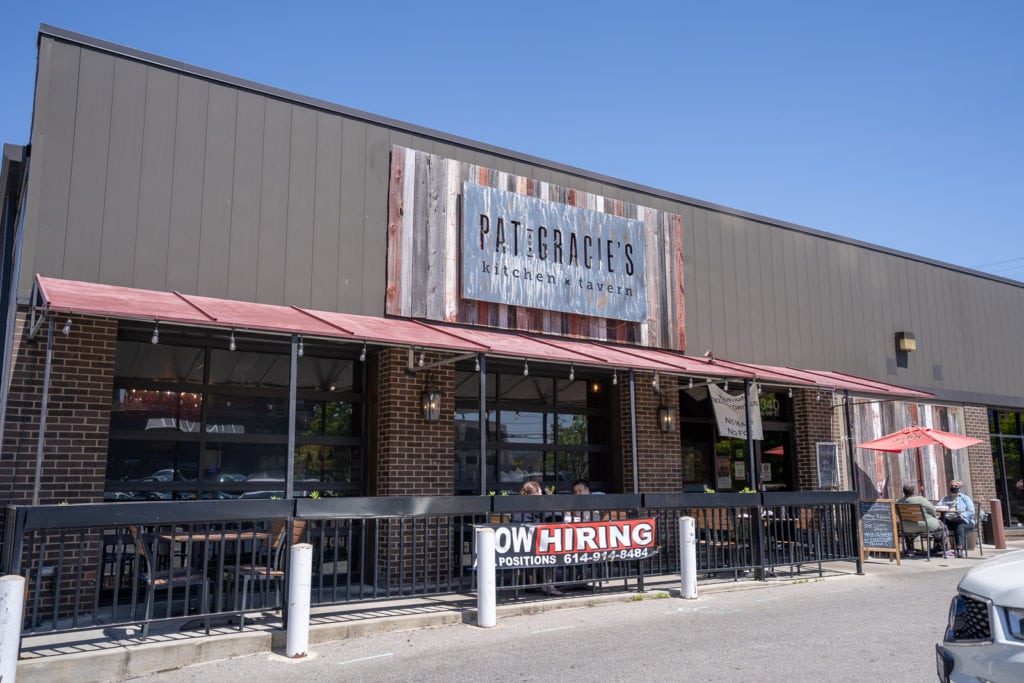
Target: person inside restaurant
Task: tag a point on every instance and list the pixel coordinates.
(959, 515)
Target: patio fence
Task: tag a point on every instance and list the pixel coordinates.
(140, 563)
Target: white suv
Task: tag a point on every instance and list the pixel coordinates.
(984, 639)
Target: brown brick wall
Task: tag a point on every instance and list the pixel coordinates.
(78, 414)
(817, 417)
(979, 457)
(414, 457)
(659, 454)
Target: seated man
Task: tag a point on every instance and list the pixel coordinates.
(960, 517)
(909, 529)
(581, 487)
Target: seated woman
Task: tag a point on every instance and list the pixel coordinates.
(960, 517)
(931, 523)
(532, 488)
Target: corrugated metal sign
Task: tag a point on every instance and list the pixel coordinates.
(524, 251)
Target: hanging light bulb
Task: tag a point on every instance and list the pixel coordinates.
(67, 328)
(231, 341)
(726, 387)
(615, 378)
(526, 368)
(476, 365)
(790, 392)
(817, 396)
(300, 350)
(654, 381)
(155, 339)
(421, 359)
(362, 354)
(690, 384)
(572, 372)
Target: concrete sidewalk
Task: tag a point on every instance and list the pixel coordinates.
(119, 654)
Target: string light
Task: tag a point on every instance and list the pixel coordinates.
(572, 372)
(362, 354)
(655, 381)
(690, 384)
(155, 339)
(67, 328)
(526, 368)
(726, 387)
(231, 341)
(421, 359)
(476, 365)
(790, 392)
(615, 378)
(301, 350)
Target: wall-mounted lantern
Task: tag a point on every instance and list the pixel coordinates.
(905, 342)
(668, 416)
(430, 404)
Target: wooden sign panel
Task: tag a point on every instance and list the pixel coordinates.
(878, 527)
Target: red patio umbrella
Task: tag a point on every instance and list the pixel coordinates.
(916, 437)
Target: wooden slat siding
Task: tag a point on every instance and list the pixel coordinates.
(651, 278)
(571, 320)
(419, 227)
(186, 203)
(435, 233)
(407, 261)
(453, 186)
(546, 319)
(506, 182)
(396, 194)
(679, 330)
(523, 320)
(440, 181)
(156, 182)
(121, 208)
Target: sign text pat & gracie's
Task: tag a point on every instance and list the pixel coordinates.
(524, 251)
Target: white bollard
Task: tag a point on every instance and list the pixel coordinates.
(688, 557)
(300, 582)
(486, 609)
(12, 606)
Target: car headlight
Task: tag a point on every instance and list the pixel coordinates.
(1015, 622)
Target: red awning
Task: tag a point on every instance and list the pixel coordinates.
(72, 297)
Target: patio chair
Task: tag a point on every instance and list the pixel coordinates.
(914, 525)
(975, 536)
(273, 568)
(166, 579)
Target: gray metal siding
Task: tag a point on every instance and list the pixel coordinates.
(147, 176)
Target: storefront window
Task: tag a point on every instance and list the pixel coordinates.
(196, 421)
(722, 463)
(545, 429)
(1007, 449)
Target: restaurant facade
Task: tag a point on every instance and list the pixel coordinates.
(217, 289)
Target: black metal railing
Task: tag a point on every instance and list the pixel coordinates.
(141, 563)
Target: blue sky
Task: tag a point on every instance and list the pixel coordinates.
(896, 123)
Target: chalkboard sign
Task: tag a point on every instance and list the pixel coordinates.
(828, 464)
(878, 527)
